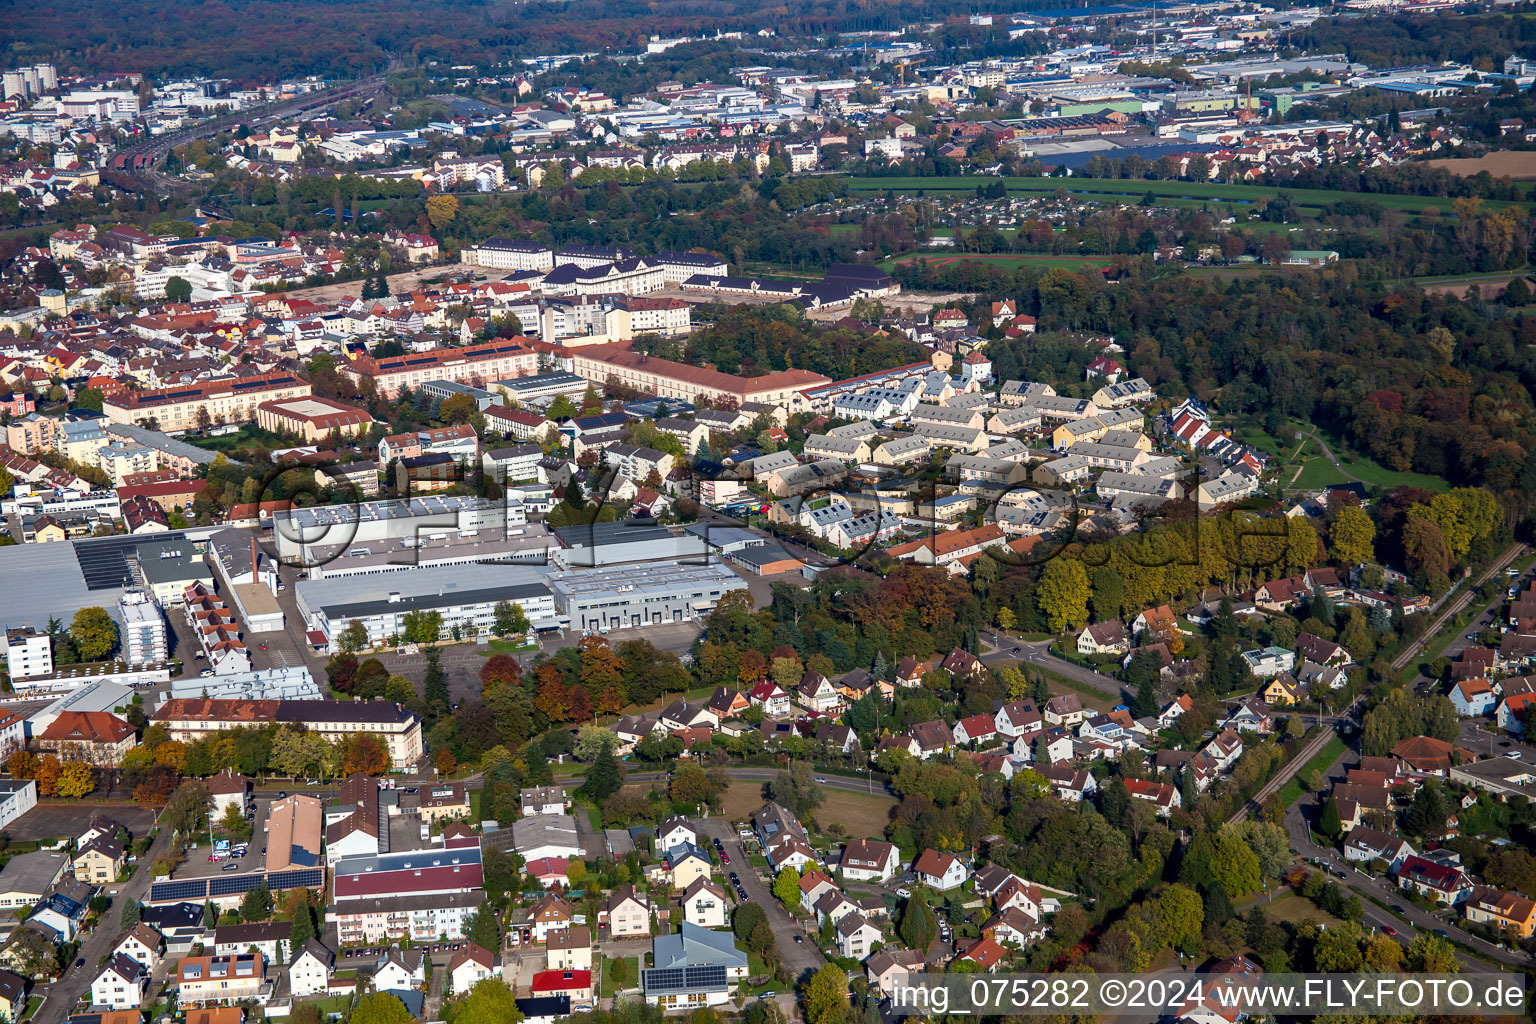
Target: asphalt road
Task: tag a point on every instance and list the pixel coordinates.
(800, 958)
(1037, 652)
(76, 982)
(1412, 917)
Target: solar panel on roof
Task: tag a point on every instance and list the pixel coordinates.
(705, 975)
(232, 885)
(665, 978)
(312, 878)
(189, 889)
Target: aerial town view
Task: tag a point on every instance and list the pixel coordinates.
(812, 513)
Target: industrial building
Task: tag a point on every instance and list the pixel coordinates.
(407, 533)
(292, 682)
(465, 596)
(640, 595)
(590, 545)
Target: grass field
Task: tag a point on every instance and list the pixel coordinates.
(1316, 469)
(864, 815)
(1195, 192)
(742, 799)
(248, 434)
(1292, 790)
(1289, 908)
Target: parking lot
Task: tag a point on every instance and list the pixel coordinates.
(53, 821)
(199, 865)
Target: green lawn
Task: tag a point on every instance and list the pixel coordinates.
(1316, 469)
(631, 979)
(1292, 790)
(246, 435)
(505, 647)
(1074, 263)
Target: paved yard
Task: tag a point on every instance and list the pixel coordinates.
(56, 821)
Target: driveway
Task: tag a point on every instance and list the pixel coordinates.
(800, 958)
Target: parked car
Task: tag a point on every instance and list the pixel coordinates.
(904, 893)
(231, 866)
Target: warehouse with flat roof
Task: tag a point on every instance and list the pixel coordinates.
(464, 595)
(640, 595)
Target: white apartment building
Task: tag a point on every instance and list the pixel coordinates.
(28, 653)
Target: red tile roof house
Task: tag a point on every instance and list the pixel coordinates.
(941, 871)
(1161, 795)
(1439, 882)
(978, 729)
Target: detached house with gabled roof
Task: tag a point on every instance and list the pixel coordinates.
(769, 696)
(933, 738)
(870, 860)
(120, 985)
(1367, 844)
(977, 729)
(941, 871)
(1065, 709)
(628, 913)
(816, 693)
(1016, 718)
(1439, 882)
(1103, 637)
(1159, 794)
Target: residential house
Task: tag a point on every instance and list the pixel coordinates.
(1508, 912)
(1103, 638)
(309, 973)
(550, 914)
(569, 949)
(979, 729)
(1441, 883)
(1065, 709)
(705, 904)
(628, 913)
(1367, 844)
(941, 871)
(870, 860)
(470, 966)
(120, 985)
(855, 936)
(892, 969)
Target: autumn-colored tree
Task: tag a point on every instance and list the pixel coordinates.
(553, 697)
(21, 765)
(172, 754)
(1063, 593)
(499, 670)
(446, 762)
(752, 666)
(601, 668)
(580, 704)
(46, 773)
(365, 752)
(1352, 536)
(76, 779)
(441, 210)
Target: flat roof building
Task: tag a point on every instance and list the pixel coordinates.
(641, 595)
